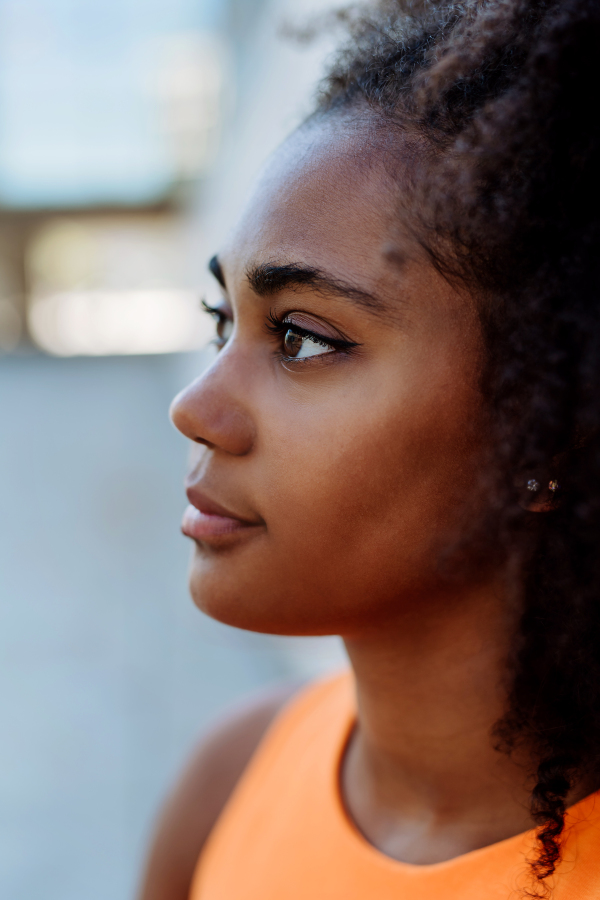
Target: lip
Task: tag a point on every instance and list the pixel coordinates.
(207, 521)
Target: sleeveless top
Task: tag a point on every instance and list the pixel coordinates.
(285, 835)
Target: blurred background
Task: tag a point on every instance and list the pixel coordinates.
(130, 131)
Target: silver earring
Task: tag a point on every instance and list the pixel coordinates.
(533, 485)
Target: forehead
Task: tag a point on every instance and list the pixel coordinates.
(324, 198)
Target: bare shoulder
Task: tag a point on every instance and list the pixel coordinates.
(201, 792)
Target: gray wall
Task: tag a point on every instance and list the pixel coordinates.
(107, 671)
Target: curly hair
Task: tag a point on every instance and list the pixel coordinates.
(502, 93)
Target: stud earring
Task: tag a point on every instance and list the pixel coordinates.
(554, 486)
(533, 485)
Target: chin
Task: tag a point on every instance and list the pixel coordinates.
(220, 590)
(256, 604)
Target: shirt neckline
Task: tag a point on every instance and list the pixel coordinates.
(515, 848)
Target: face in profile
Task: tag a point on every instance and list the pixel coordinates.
(337, 429)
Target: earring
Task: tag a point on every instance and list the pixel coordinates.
(533, 485)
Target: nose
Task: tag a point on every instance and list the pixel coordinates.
(212, 410)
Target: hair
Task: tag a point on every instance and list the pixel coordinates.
(503, 94)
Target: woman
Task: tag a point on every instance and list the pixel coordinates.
(398, 443)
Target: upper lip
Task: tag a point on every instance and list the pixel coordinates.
(209, 507)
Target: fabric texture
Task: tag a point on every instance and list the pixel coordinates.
(285, 835)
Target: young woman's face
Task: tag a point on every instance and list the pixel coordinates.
(337, 428)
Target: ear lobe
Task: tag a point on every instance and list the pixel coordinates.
(540, 505)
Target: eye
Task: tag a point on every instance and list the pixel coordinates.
(224, 329)
(299, 345)
(223, 323)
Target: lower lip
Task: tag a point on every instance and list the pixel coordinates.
(206, 527)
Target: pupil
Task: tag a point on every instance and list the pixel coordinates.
(292, 343)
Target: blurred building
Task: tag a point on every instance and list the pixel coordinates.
(129, 135)
(109, 112)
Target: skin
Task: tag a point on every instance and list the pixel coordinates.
(351, 471)
(348, 460)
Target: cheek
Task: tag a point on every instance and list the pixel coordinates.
(380, 475)
(357, 500)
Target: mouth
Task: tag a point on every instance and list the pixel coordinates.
(208, 522)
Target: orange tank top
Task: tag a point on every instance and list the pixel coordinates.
(285, 835)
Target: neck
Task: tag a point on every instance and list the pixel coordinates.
(421, 777)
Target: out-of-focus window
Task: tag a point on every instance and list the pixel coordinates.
(110, 113)
(105, 102)
(112, 285)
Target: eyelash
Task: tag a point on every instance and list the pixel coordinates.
(279, 326)
(213, 311)
(220, 320)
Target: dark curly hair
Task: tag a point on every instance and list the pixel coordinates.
(503, 93)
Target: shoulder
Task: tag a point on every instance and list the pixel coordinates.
(201, 792)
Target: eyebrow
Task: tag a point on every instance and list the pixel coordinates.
(214, 267)
(269, 278)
